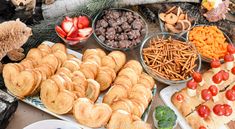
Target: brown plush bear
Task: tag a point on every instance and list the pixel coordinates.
(13, 34)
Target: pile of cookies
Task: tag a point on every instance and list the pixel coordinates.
(175, 20)
(131, 90)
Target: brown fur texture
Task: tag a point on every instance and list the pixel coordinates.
(47, 2)
(13, 34)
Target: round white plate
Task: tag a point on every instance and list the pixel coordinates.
(52, 124)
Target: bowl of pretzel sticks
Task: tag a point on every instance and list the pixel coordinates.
(169, 58)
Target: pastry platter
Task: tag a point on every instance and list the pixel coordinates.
(35, 100)
(166, 95)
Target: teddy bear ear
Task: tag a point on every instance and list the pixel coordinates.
(18, 19)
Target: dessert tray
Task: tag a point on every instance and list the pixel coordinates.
(36, 102)
(166, 95)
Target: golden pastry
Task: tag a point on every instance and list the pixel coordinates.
(146, 80)
(71, 65)
(79, 80)
(46, 68)
(119, 59)
(90, 114)
(35, 55)
(50, 60)
(123, 81)
(140, 88)
(141, 98)
(64, 70)
(62, 56)
(45, 48)
(138, 108)
(104, 79)
(56, 100)
(122, 104)
(123, 120)
(19, 83)
(59, 46)
(131, 74)
(69, 56)
(93, 90)
(89, 69)
(27, 64)
(94, 58)
(108, 61)
(135, 65)
(115, 93)
(110, 71)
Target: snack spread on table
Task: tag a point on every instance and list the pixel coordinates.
(68, 84)
(176, 20)
(208, 99)
(120, 28)
(209, 40)
(112, 90)
(170, 58)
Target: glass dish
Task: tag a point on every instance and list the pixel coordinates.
(206, 59)
(109, 48)
(161, 23)
(166, 35)
(78, 43)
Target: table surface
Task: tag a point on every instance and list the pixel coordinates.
(27, 114)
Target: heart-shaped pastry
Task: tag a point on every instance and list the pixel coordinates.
(54, 99)
(90, 114)
(18, 82)
(123, 120)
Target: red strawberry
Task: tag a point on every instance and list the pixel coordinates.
(67, 25)
(73, 32)
(73, 38)
(75, 22)
(68, 18)
(84, 21)
(60, 31)
(84, 32)
(80, 26)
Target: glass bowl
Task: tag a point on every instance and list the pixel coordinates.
(166, 35)
(78, 43)
(206, 59)
(161, 23)
(109, 48)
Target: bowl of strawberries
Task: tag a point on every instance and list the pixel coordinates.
(74, 28)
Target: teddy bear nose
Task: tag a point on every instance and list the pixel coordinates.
(21, 4)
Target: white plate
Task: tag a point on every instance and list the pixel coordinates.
(166, 94)
(36, 102)
(52, 124)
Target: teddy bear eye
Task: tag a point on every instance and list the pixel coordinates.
(23, 32)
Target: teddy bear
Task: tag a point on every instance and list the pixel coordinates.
(28, 5)
(13, 35)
